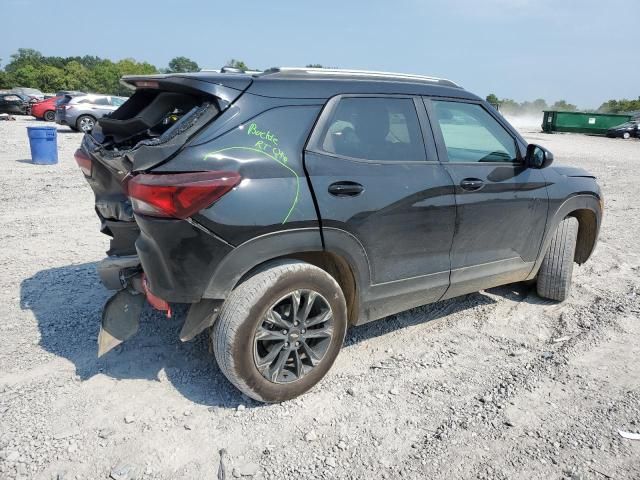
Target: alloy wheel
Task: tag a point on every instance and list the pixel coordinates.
(293, 336)
(86, 124)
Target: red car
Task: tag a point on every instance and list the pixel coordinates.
(45, 109)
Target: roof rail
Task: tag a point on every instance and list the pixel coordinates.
(358, 73)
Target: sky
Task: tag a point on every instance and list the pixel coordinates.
(582, 51)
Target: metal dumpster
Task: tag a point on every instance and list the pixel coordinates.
(578, 122)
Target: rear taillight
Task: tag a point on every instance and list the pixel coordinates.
(84, 162)
(178, 195)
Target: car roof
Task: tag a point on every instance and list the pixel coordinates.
(295, 82)
(320, 83)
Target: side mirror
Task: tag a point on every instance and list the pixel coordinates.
(538, 157)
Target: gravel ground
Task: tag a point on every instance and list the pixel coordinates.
(498, 384)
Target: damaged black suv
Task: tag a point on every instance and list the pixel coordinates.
(288, 205)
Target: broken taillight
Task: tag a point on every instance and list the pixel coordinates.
(84, 162)
(178, 195)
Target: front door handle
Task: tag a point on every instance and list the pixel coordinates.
(345, 189)
(471, 184)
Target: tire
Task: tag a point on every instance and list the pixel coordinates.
(554, 276)
(85, 123)
(235, 334)
(49, 116)
(626, 135)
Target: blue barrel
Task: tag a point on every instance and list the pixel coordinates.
(44, 145)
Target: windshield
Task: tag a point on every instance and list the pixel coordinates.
(31, 91)
(626, 124)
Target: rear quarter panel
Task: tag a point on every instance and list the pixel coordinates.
(266, 149)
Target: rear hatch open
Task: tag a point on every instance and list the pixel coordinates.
(159, 119)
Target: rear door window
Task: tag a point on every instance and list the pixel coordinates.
(471, 134)
(102, 101)
(371, 128)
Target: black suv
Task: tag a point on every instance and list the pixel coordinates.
(288, 205)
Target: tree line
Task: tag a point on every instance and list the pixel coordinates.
(511, 107)
(30, 68)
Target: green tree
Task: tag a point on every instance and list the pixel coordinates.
(24, 76)
(563, 106)
(4, 80)
(493, 99)
(234, 63)
(620, 106)
(77, 76)
(50, 79)
(22, 58)
(182, 65)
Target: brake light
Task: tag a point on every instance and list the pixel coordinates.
(178, 195)
(147, 84)
(84, 162)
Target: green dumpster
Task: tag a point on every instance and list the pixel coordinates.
(579, 122)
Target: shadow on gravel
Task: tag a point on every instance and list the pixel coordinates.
(521, 292)
(424, 314)
(67, 303)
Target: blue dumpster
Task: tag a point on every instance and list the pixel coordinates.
(44, 145)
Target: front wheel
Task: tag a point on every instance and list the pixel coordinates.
(279, 332)
(85, 123)
(556, 270)
(626, 135)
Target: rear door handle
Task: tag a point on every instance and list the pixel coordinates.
(345, 189)
(471, 184)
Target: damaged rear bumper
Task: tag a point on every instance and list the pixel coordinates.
(121, 313)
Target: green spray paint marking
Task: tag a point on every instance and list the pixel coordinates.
(256, 150)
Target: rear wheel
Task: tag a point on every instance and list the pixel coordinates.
(280, 331)
(85, 123)
(554, 276)
(49, 115)
(626, 135)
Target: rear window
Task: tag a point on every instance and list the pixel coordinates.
(367, 128)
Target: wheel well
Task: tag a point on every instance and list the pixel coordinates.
(335, 266)
(587, 232)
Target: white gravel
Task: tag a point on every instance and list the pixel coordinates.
(498, 384)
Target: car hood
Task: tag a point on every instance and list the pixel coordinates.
(572, 171)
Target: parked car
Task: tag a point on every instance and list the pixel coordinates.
(45, 109)
(11, 102)
(625, 130)
(81, 112)
(32, 93)
(73, 93)
(289, 205)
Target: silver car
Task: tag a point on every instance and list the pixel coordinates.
(81, 112)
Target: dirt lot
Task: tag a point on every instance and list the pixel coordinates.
(498, 384)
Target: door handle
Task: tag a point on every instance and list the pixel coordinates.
(345, 189)
(471, 184)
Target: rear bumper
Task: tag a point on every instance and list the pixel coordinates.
(178, 258)
(62, 119)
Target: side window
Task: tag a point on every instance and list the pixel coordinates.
(375, 129)
(472, 135)
(102, 101)
(117, 101)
